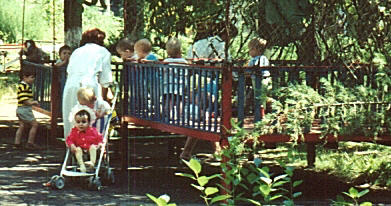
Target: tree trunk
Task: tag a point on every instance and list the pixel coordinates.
(73, 11)
(134, 19)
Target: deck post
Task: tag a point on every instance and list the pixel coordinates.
(124, 123)
(226, 114)
(55, 101)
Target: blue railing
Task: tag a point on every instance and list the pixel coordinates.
(180, 95)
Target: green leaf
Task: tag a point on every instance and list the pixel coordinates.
(211, 190)
(275, 197)
(296, 194)
(288, 203)
(266, 180)
(280, 177)
(279, 183)
(194, 165)
(202, 181)
(353, 193)
(251, 201)
(252, 178)
(214, 176)
(185, 175)
(198, 187)
(165, 197)
(362, 193)
(153, 198)
(297, 183)
(265, 190)
(366, 204)
(265, 172)
(219, 198)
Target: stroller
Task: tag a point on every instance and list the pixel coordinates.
(102, 172)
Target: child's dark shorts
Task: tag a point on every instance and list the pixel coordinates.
(25, 114)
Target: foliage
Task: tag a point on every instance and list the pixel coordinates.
(162, 200)
(354, 195)
(250, 182)
(207, 192)
(11, 16)
(107, 22)
(341, 110)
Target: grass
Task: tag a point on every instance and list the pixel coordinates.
(356, 163)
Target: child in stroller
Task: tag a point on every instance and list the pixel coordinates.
(98, 140)
(83, 137)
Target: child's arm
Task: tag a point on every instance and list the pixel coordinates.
(30, 102)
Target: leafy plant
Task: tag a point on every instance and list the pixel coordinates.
(208, 193)
(162, 200)
(354, 196)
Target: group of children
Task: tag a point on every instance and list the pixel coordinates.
(83, 136)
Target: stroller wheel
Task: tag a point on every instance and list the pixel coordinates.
(94, 184)
(58, 182)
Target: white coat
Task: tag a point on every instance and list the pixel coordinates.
(89, 66)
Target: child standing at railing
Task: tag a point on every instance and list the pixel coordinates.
(125, 48)
(257, 48)
(143, 48)
(172, 92)
(64, 53)
(24, 110)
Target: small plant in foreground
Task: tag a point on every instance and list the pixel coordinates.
(354, 195)
(207, 192)
(163, 200)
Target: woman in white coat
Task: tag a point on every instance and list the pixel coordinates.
(89, 66)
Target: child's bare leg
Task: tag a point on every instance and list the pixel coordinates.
(33, 132)
(19, 132)
(79, 159)
(92, 151)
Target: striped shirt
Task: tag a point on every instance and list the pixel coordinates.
(24, 93)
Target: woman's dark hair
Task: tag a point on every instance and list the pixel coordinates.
(93, 36)
(31, 47)
(82, 113)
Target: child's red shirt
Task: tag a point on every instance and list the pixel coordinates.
(84, 139)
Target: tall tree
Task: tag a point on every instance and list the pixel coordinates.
(73, 11)
(134, 19)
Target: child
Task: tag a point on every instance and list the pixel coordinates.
(257, 47)
(83, 137)
(125, 48)
(143, 50)
(173, 76)
(86, 96)
(24, 110)
(64, 52)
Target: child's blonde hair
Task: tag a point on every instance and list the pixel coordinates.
(258, 44)
(125, 44)
(143, 45)
(86, 94)
(173, 47)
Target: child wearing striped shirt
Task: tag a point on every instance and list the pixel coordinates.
(24, 110)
